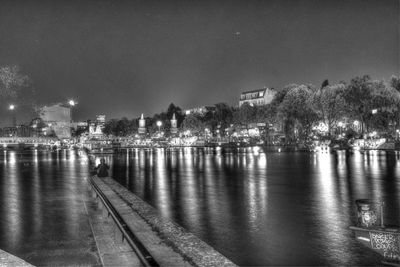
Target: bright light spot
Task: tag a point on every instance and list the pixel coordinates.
(256, 150)
(11, 107)
(321, 127)
(72, 103)
(363, 238)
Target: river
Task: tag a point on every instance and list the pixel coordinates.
(255, 207)
(266, 208)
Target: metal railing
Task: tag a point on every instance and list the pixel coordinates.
(143, 254)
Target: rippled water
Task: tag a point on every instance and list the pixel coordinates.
(269, 208)
(43, 218)
(256, 208)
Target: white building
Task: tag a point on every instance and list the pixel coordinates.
(258, 97)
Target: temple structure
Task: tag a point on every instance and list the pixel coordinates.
(174, 125)
(142, 125)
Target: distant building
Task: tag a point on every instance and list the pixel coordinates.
(200, 110)
(95, 129)
(57, 117)
(257, 97)
(101, 119)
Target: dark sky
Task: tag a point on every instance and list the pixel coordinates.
(122, 58)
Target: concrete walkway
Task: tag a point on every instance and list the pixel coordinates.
(168, 243)
(6, 259)
(112, 250)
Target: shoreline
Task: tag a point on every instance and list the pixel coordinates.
(167, 241)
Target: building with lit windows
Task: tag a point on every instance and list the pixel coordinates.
(200, 110)
(257, 97)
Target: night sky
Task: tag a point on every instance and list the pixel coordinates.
(123, 58)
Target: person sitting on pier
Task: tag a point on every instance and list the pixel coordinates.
(102, 168)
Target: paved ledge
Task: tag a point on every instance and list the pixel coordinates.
(7, 259)
(169, 243)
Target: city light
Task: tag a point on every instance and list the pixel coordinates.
(72, 103)
(11, 107)
(159, 123)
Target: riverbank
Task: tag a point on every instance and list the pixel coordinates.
(167, 242)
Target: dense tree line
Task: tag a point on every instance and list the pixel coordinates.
(126, 127)
(296, 108)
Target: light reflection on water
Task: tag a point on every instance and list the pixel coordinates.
(39, 203)
(262, 208)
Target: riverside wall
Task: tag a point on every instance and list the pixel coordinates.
(168, 243)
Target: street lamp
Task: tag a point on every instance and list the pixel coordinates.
(72, 103)
(159, 123)
(14, 120)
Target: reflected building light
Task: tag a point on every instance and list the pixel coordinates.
(252, 199)
(72, 155)
(35, 156)
(329, 202)
(127, 163)
(12, 202)
(12, 158)
(256, 150)
(191, 202)
(263, 191)
(376, 174)
(164, 200)
(262, 161)
(173, 160)
(218, 161)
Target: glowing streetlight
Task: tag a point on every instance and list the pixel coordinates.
(11, 107)
(159, 123)
(72, 103)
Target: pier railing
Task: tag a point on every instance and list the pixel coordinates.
(144, 256)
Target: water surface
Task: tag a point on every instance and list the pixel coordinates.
(269, 208)
(43, 216)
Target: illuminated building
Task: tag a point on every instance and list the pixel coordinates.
(200, 110)
(142, 125)
(174, 125)
(101, 119)
(257, 97)
(57, 117)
